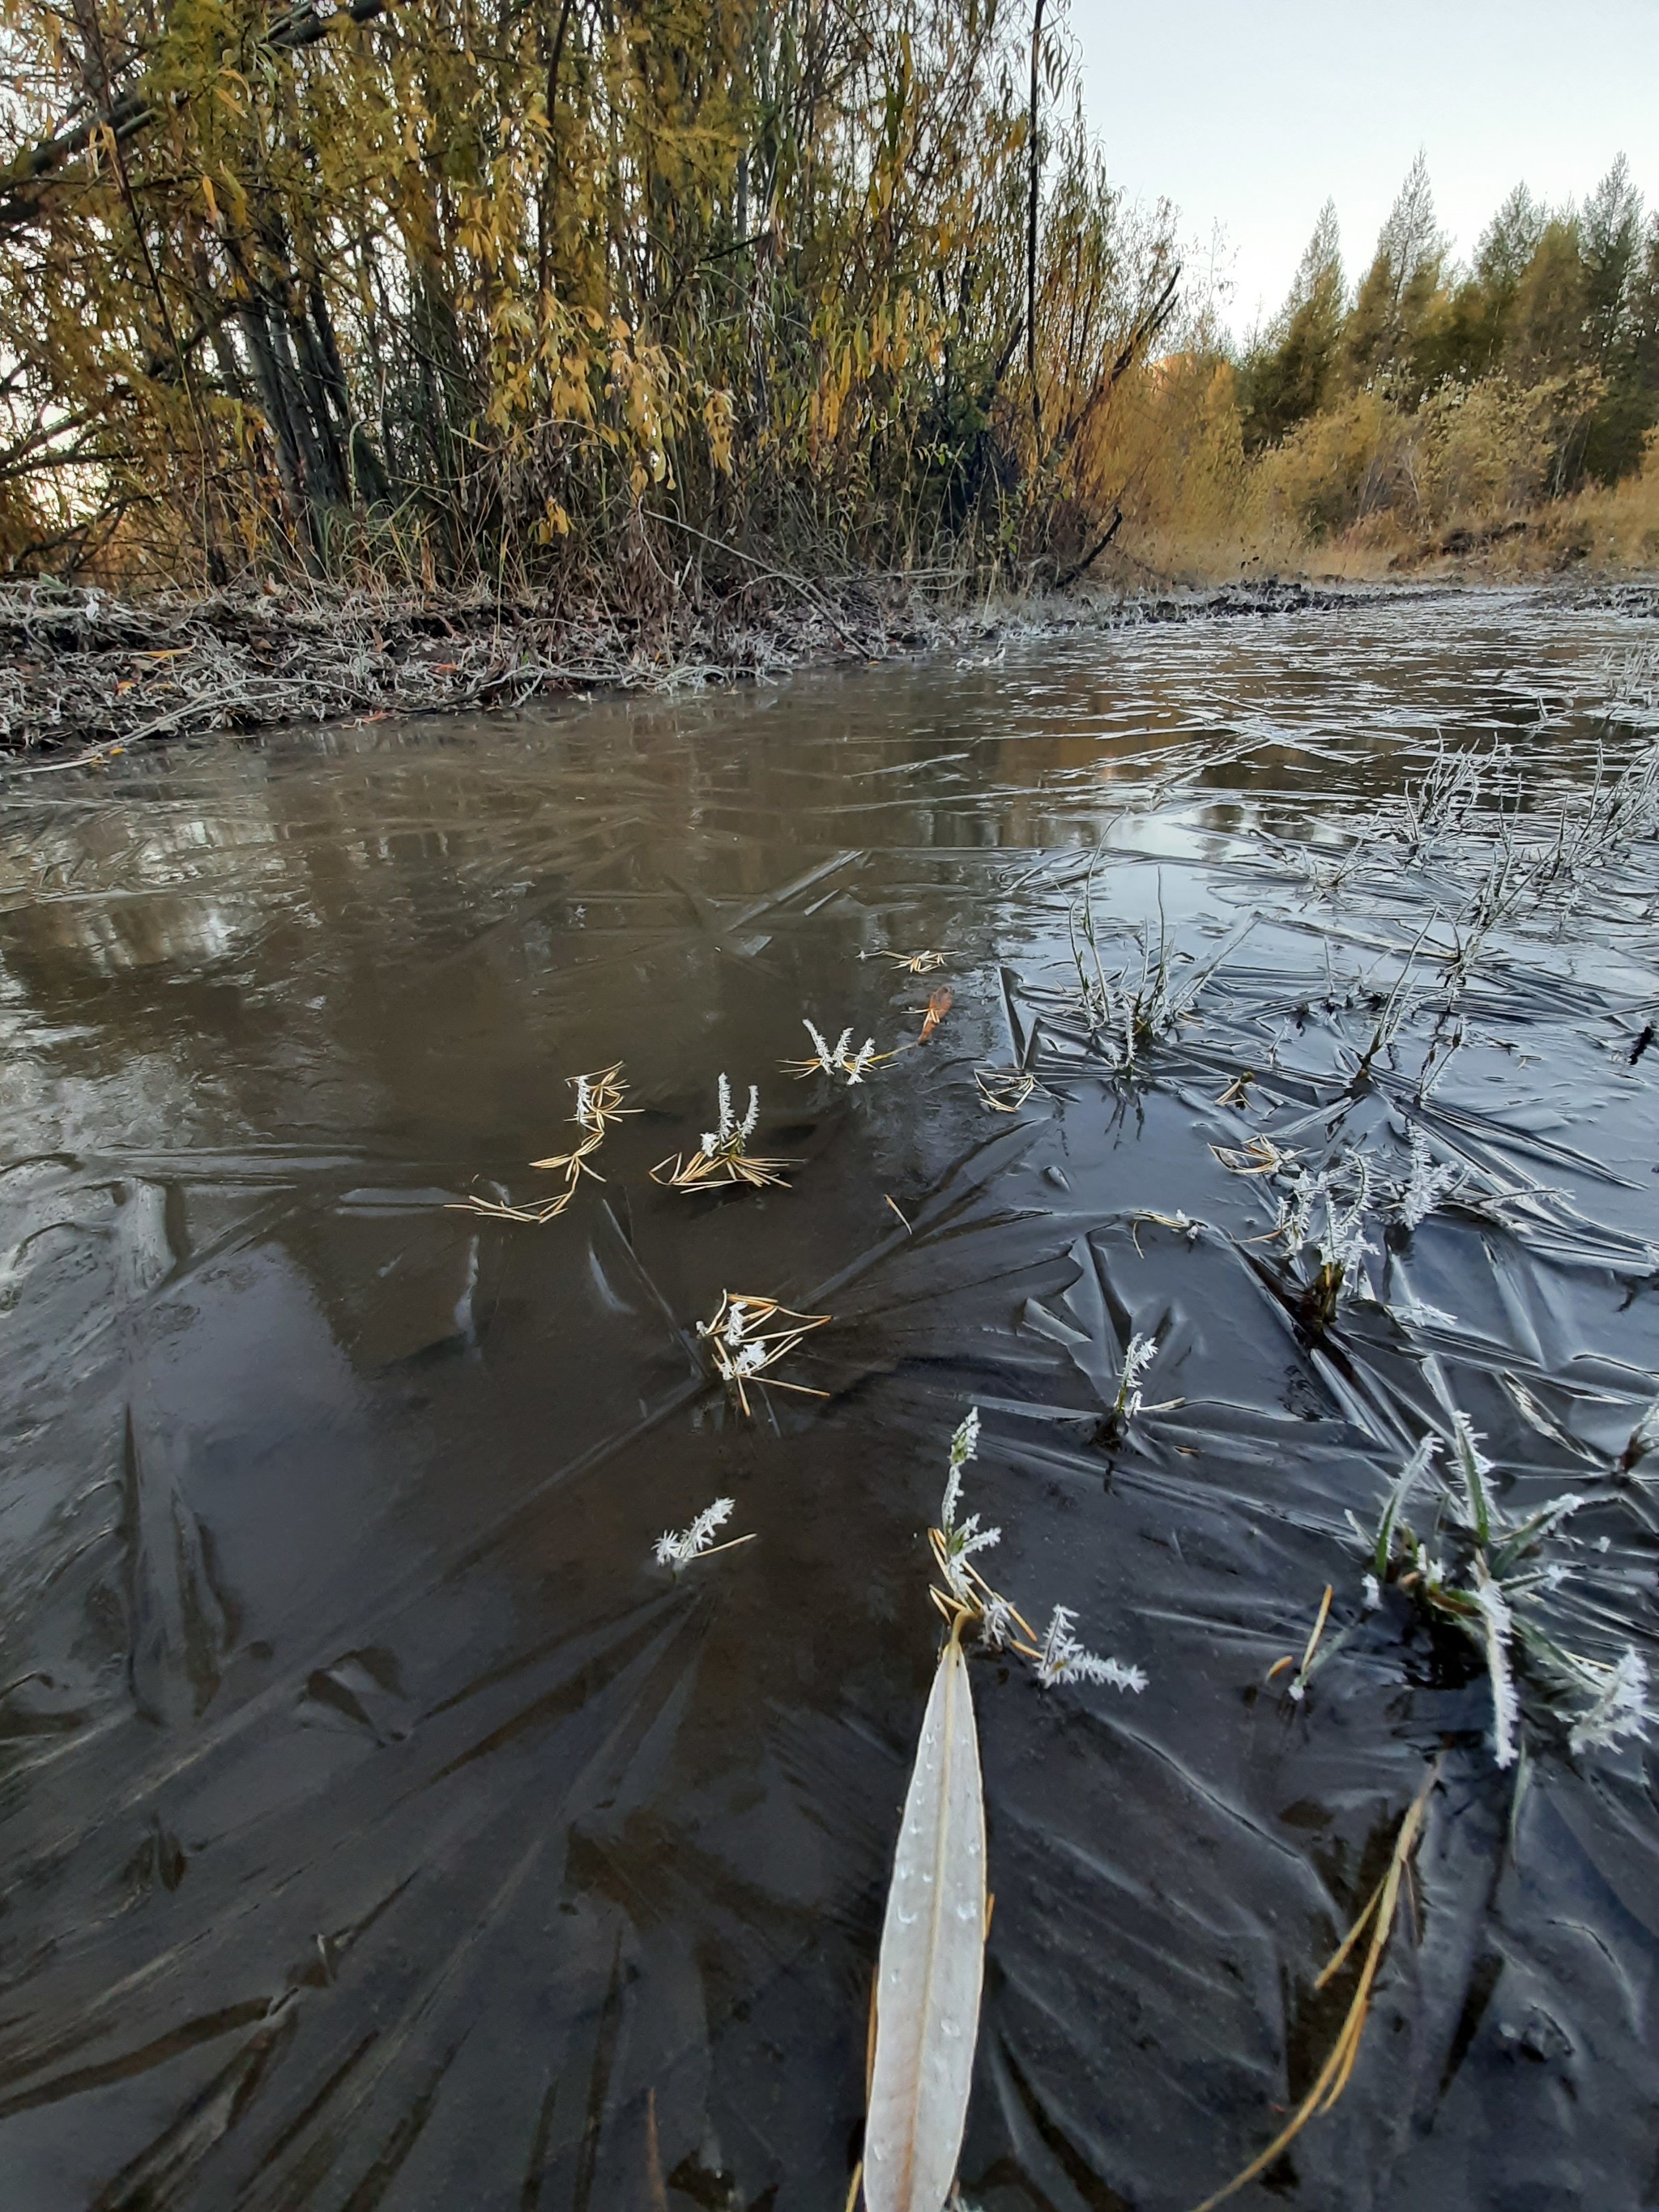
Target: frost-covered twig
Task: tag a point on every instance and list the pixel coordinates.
(678, 1551)
(1063, 1659)
(1059, 1657)
(1428, 1184)
(1498, 1573)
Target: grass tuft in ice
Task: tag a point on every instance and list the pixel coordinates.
(837, 1058)
(1138, 1356)
(1129, 1012)
(723, 1158)
(1321, 1219)
(1489, 1584)
(748, 1336)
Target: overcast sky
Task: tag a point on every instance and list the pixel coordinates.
(1250, 113)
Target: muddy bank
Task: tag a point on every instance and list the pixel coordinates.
(82, 670)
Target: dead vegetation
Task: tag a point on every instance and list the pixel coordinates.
(84, 674)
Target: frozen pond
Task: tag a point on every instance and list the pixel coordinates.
(381, 1827)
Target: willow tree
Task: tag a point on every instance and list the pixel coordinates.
(451, 292)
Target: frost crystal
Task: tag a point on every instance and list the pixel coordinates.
(1343, 1247)
(678, 1551)
(961, 1538)
(963, 1447)
(1621, 1709)
(996, 1622)
(1063, 1659)
(1373, 1592)
(1474, 1507)
(1295, 1210)
(1141, 1352)
(1498, 1625)
(1427, 1183)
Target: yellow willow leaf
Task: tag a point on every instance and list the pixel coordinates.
(932, 1960)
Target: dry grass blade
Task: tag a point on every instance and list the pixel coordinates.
(915, 964)
(698, 1171)
(599, 1103)
(1259, 1156)
(1300, 1686)
(546, 1210)
(939, 1005)
(748, 1336)
(933, 1959)
(1005, 1090)
(1333, 2076)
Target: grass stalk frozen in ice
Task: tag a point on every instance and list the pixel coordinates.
(748, 1336)
(723, 1159)
(599, 1095)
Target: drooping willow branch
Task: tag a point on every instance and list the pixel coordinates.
(30, 180)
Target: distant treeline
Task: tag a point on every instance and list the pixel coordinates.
(1432, 391)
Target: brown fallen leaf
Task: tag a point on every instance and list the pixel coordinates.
(939, 1005)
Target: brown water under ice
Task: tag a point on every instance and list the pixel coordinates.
(380, 1827)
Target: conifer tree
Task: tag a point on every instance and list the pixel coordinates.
(1399, 292)
(1288, 378)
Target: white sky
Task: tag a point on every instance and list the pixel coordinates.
(1250, 113)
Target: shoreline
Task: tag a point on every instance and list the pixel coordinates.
(84, 676)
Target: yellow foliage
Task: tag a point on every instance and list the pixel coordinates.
(402, 291)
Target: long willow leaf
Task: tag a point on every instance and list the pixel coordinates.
(932, 1960)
